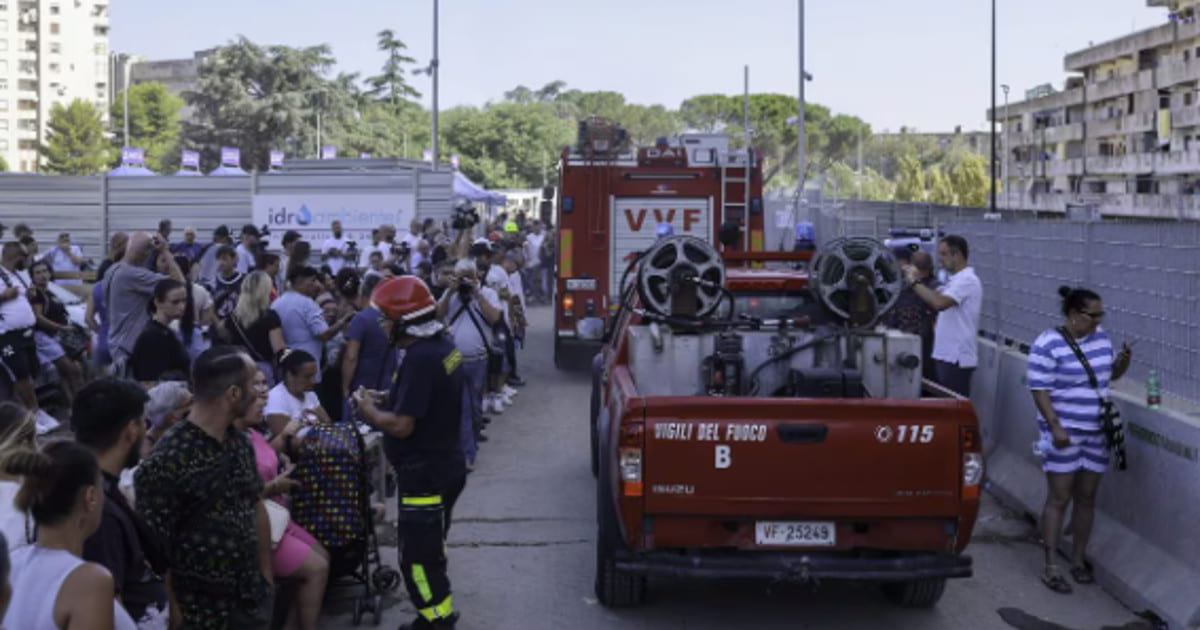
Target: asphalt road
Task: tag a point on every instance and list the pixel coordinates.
(522, 548)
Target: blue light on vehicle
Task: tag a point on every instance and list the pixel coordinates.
(568, 203)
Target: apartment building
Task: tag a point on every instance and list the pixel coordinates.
(50, 51)
(178, 75)
(1123, 133)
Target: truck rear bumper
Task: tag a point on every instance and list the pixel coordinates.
(571, 353)
(795, 566)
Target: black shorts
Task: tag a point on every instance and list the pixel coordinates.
(18, 355)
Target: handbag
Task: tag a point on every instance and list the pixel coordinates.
(1110, 417)
(279, 517)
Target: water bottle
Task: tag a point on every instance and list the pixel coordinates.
(1153, 390)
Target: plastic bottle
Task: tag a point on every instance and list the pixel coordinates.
(1153, 390)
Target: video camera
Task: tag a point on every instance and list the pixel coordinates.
(351, 250)
(465, 216)
(401, 250)
(264, 240)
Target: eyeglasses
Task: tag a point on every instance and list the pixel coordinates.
(1097, 316)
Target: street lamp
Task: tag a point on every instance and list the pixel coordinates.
(432, 71)
(993, 116)
(1007, 150)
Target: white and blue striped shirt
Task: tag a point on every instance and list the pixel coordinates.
(1053, 367)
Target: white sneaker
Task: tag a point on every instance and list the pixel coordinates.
(506, 399)
(494, 404)
(45, 422)
(508, 391)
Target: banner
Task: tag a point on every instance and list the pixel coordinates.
(277, 159)
(231, 157)
(1164, 127)
(364, 156)
(329, 153)
(133, 156)
(191, 159)
(312, 214)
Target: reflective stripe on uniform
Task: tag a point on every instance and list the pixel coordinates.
(422, 582)
(433, 499)
(439, 611)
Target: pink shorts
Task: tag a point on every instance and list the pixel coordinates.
(293, 548)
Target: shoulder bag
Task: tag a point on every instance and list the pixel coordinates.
(488, 340)
(1110, 416)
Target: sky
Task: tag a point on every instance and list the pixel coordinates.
(923, 64)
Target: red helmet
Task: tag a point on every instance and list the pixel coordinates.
(403, 298)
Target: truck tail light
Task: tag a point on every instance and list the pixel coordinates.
(568, 305)
(972, 462)
(630, 460)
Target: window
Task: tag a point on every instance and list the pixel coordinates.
(1187, 99)
(27, 124)
(55, 48)
(3, 83)
(28, 145)
(3, 144)
(54, 9)
(3, 104)
(100, 31)
(31, 45)
(3, 25)
(54, 67)
(3, 124)
(3, 44)
(27, 105)
(54, 29)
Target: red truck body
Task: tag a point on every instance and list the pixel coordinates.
(609, 207)
(778, 488)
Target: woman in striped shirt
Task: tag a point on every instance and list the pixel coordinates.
(1073, 447)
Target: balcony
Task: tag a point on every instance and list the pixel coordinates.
(1185, 117)
(1120, 86)
(1177, 163)
(1130, 164)
(1177, 71)
(1062, 168)
(1127, 46)
(1049, 135)
(1118, 205)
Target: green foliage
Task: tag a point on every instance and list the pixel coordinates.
(708, 113)
(911, 183)
(940, 189)
(970, 180)
(505, 145)
(153, 123)
(75, 142)
(3, 164)
(261, 98)
(390, 85)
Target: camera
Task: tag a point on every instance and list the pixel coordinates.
(351, 250)
(264, 240)
(465, 216)
(401, 250)
(466, 288)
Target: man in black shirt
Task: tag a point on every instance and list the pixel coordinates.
(227, 286)
(109, 417)
(422, 441)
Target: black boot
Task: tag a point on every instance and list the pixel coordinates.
(421, 623)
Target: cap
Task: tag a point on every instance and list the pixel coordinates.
(511, 227)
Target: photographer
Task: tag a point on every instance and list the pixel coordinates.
(470, 311)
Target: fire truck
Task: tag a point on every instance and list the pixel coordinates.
(613, 203)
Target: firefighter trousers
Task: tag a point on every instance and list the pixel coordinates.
(424, 523)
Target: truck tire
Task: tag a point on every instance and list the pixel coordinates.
(593, 419)
(614, 588)
(922, 593)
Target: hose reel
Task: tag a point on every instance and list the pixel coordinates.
(681, 276)
(857, 279)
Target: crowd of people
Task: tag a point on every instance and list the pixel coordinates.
(208, 364)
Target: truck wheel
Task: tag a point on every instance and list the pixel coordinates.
(614, 588)
(923, 593)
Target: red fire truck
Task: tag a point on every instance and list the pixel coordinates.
(611, 202)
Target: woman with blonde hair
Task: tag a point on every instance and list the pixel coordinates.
(253, 325)
(18, 429)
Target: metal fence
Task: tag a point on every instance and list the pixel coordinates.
(92, 208)
(1147, 272)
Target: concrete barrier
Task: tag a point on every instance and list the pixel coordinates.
(1146, 542)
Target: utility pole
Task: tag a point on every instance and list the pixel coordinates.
(127, 64)
(860, 164)
(993, 91)
(801, 149)
(434, 68)
(1007, 199)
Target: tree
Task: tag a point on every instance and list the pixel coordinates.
(503, 145)
(707, 113)
(390, 85)
(646, 124)
(3, 164)
(263, 98)
(940, 189)
(75, 142)
(911, 183)
(382, 131)
(153, 123)
(970, 180)
(876, 187)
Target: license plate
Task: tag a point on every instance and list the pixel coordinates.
(581, 284)
(796, 533)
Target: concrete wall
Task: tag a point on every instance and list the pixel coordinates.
(1146, 544)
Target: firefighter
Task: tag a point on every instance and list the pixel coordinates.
(421, 428)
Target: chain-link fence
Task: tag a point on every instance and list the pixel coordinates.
(1147, 272)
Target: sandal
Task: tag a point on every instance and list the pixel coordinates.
(1053, 578)
(1083, 574)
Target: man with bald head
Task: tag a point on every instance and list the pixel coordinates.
(128, 289)
(912, 314)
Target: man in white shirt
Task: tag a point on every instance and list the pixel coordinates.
(65, 259)
(414, 235)
(18, 351)
(334, 248)
(533, 261)
(958, 302)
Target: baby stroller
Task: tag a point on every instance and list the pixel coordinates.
(334, 505)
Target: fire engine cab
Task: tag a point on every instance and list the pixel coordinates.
(615, 201)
